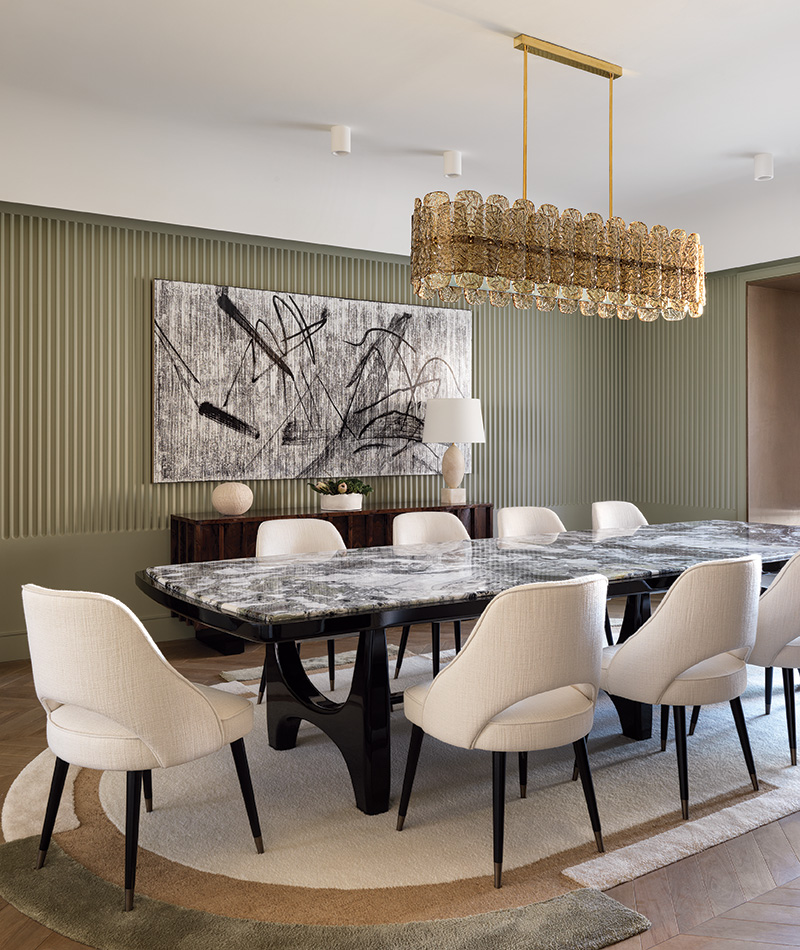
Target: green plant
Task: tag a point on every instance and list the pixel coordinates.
(340, 486)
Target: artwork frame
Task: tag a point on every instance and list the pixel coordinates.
(262, 384)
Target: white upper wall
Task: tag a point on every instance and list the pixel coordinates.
(210, 115)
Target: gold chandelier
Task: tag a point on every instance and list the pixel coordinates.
(526, 256)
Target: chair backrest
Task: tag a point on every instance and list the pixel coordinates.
(710, 609)
(529, 640)
(427, 527)
(527, 520)
(297, 536)
(616, 514)
(90, 650)
(778, 614)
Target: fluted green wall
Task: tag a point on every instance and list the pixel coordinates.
(576, 408)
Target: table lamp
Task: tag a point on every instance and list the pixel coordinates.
(453, 420)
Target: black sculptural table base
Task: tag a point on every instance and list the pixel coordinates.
(359, 726)
(636, 719)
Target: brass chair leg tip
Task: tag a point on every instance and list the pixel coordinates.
(148, 804)
(767, 710)
(598, 839)
(400, 820)
(259, 844)
(794, 756)
(685, 808)
(498, 874)
(396, 673)
(333, 685)
(260, 699)
(523, 791)
(754, 780)
(40, 860)
(663, 746)
(128, 898)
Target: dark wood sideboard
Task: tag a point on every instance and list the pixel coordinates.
(214, 538)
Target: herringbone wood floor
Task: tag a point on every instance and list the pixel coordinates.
(742, 894)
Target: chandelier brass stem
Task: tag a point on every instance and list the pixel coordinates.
(525, 128)
(518, 254)
(610, 146)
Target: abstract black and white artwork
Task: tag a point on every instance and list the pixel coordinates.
(252, 384)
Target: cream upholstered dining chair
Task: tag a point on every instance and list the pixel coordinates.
(427, 527)
(692, 651)
(525, 520)
(622, 515)
(526, 679)
(298, 536)
(616, 514)
(778, 639)
(114, 703)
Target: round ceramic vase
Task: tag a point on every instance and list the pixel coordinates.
(232, 498)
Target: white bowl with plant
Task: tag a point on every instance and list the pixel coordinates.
(340, 494)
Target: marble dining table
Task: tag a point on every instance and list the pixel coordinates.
(282, 600)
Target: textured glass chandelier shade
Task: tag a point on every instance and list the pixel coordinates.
(535, 257)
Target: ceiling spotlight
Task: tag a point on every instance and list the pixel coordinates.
(762, 167)
(340, 139)
(452, 164)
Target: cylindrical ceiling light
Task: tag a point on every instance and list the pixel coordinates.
(763, 169)
(452, 164)
(340, 139)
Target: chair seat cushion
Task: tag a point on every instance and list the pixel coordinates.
(544, 721)
(86, 738)
(716, 680)
(91, 740)
(789, 657)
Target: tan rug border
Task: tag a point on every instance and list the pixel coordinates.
(98, 845)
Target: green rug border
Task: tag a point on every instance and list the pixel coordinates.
(67, 898)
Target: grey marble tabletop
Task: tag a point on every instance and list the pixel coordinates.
(280, 590)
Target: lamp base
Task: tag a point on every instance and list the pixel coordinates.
(454, 496)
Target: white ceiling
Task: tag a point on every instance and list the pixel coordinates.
(215, 113)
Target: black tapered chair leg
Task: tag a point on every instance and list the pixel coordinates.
(741, 728)
(457, 634)
(263, 684)
(582, 758)
(664, 727)
(767, 690)
(609, 634)
(417, 735)
(147, 787)
(523, 775)
(133, 804)
(693, 720)
(498, 812)
(60, 770)
(436, 640)
(246, 785)
(401, 650)
(788, 695)
(679, 715)
(332, 664)
(575, 770)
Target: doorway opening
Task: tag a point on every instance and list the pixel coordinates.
(773, 400)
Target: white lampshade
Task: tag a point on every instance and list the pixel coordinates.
(453, 420)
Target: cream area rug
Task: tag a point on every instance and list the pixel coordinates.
(358, 865)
